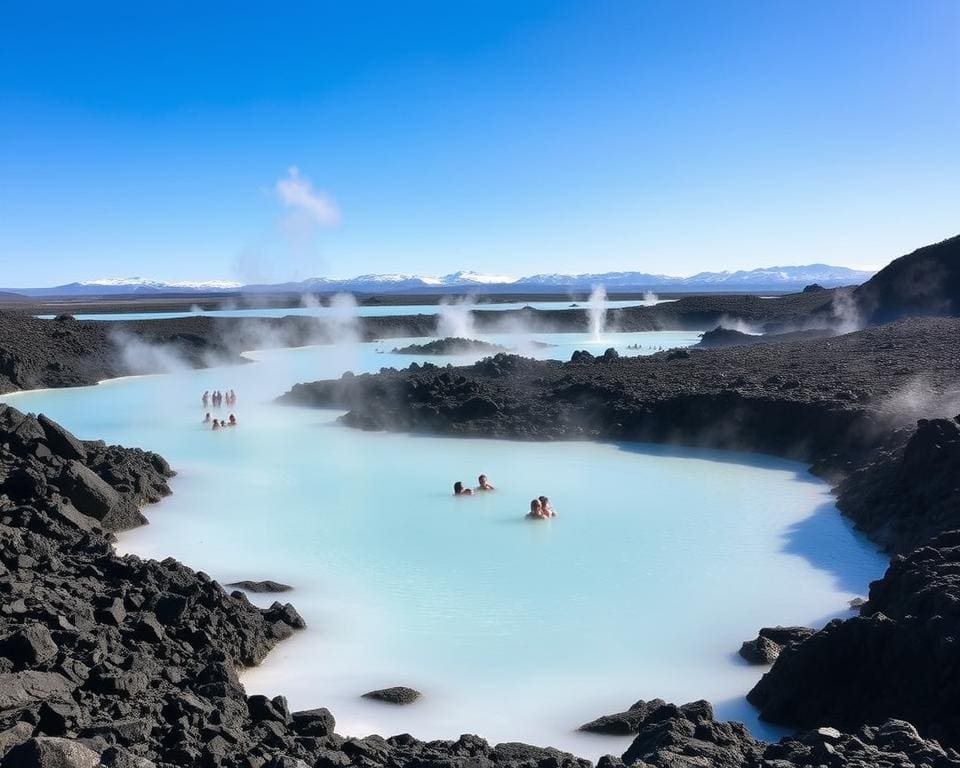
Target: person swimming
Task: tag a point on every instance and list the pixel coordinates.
(484, 484)
(216, 424)
(233, 421)
(536, 511)
(459, 490)
(545, 507)
(206, 419)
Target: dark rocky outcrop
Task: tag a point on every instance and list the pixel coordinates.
(688, 736)
(900, 656)
(449, 346)
(398, 694)
(909, 488)
(261, 586)
(771, 641)
(728, 337)
(630, 720)
(923, 283)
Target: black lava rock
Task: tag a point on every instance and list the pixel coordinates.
(396, 695)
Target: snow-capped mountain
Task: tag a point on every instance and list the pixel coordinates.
(115, 286)
(812, 273)
(390, 283)
(765, 279)
(159, 285)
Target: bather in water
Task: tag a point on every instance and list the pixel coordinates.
(484, 484)
(536, 511)
(459, 490)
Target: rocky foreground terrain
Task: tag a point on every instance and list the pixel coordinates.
(118, 661)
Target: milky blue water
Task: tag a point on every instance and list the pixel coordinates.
(362, 311)
(660, 563)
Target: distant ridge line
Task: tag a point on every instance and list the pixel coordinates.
(779, 279)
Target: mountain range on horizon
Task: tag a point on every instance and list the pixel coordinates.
(767, 278)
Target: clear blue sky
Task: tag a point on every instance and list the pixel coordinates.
(512, 137)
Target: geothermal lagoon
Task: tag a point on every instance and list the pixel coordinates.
(661, 562)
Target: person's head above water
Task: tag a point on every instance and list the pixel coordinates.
(544, 501)
(535, 507)
(484, 483)
(459, 490)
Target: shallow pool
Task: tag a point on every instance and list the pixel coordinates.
(660, 562)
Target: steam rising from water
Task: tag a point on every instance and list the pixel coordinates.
(456, 318)
(598, 311)
(649, 297)
(139, 357)
(345, 323)
(310, 301)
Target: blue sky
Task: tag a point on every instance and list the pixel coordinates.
(510, 137)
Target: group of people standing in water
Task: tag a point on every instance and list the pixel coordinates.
(217, 399)
(540, 508)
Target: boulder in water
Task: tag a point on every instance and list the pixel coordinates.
(629, 721)
(771, 641)
(261, 586)
(396, 695)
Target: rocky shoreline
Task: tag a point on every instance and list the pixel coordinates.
(449, 346)
(65, 352)
(119, 661)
